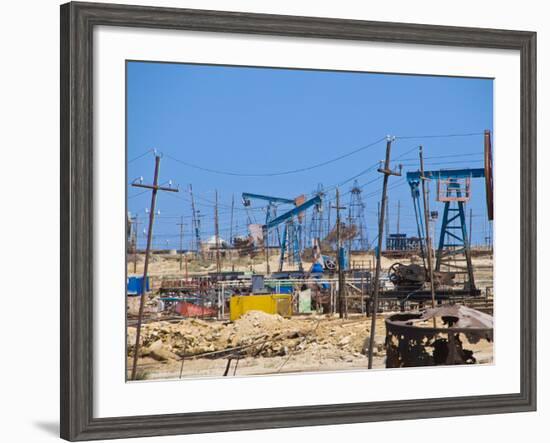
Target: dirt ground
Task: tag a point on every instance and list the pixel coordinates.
(269, 344)
(260, 343)
(264, 343)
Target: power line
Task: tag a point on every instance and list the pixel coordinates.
(410, 137)
(273, 174)
(143, 192)
(137, 195)
(467, 154)
(141, 155)
(365, 171)
(361, 173)
(439, 163)
(399, 157)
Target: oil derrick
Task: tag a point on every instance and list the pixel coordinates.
(196, 222)
(131, 232)
(292, 233)
(453, 253)
(317, 223)
(356, 217)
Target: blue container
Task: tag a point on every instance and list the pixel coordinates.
(134, 285)
(317, 268)
(286, 289)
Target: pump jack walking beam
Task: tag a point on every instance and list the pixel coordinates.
(287, 218)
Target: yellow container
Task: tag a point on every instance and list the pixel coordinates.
(271, 304)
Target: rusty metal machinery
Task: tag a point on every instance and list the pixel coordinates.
(412, 277)
(407, 277)
(411, 339)
(453, 189)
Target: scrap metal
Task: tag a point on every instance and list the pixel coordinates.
(409, 336)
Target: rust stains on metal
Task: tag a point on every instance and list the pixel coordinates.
(411, 339)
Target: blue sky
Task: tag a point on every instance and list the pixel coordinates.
(245, 121)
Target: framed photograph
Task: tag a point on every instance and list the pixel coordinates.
(274, 221)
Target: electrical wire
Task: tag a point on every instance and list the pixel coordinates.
(410, 137)
(468, 154)
(274, 174)
(325, 191)
(442, 163)
(141, 155)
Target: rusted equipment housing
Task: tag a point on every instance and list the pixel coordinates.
(411, 339)
(413, 276)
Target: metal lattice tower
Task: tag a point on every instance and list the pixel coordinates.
(453, 253)
(196, 223)
(453, 189)
(356, 216)
(291, 245)
(317, 223)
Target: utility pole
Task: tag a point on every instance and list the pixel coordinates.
(398, 214)
(155, 188)
(387, 172)
(196, 222)
(231, 232)
(341, 277)
(350, 239)
(181, 224)
(231, 225)
(217, 234)
(427, 223)
(136, 223)
(470, 238)
(387, 220)
(265, 234)
(304, 230)
(328, 219)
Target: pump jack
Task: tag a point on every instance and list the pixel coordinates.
(453, 189)
(291, 232)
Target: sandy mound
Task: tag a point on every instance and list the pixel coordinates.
(254, 334)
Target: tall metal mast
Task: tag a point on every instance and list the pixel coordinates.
(196, 223)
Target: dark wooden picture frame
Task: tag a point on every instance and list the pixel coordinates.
(77, 23)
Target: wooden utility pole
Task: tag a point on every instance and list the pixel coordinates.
(231, 225)
(231, 243)
(341, 277)
(217, 234)
(470, 238)
(266, 252)
(387, 172)
(304, 231)
(398, 214)
(387, 220)
(181, 224)
(427, 223)
(155, 188)
(328, 219)
(350, 239)
(136, 223)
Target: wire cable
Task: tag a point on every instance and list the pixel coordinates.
(410, 137)
(141, 155)
(274, 174)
